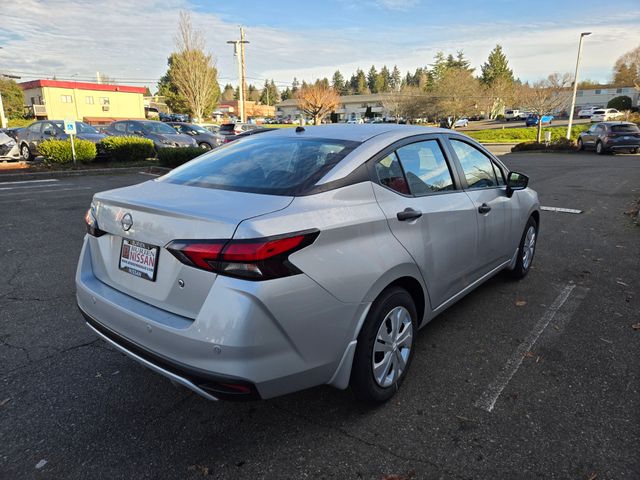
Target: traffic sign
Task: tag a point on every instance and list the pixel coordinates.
(70, 127)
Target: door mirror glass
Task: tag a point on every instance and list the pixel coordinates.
(51, 133)
(516, 181)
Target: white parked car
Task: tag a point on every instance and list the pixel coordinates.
(462, 122)
(511, 115)
(605, 115)
(587, 112)
(355, 121)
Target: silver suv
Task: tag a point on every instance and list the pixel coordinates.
(304, 257)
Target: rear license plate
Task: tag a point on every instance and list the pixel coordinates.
(139, 259)
(627, 138)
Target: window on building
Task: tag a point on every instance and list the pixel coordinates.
(598, 92)
(104, 100)
(33, 100)
(579, 93)
(66, 98)
(88, 100)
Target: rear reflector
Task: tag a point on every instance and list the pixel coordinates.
(254, 259)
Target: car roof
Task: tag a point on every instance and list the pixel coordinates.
(357, 133)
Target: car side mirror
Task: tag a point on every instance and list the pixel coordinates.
(138, 132)
(51, 133)
(516, 181)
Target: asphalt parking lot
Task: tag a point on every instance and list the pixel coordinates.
(528, 380)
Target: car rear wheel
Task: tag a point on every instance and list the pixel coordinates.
(25, 152)
(385, 347)
(634, 150)
(580, 144)
(600, 148)
(205, 146)
(526, 250)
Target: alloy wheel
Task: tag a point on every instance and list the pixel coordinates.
(392, 347)
(528, 247)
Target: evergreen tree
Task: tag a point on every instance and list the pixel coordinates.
(359, 83)
(384, 80)
(228, 93)
(496, 66)
(337, 82)
(269, 94)
(438, 67)
(286, 94)
(295, 86)
(372, 76)
(396, 79)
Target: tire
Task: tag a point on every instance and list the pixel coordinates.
(526, 250)
(25, 152)
(205, 146)
(633, 151)
(580, 145)
(600, 148)
(378, 370)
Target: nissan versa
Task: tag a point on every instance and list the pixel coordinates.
(304, 257)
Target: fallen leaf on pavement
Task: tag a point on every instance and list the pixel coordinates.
(4, 402)
(530, 354)
(593, 476)
(622, 283)
(636, 326)
(520, 303)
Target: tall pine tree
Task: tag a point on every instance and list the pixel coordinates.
(496, 67)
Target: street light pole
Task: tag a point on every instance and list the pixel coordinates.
(575, 85)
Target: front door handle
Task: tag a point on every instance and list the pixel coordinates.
(408, 214)
(484, 208)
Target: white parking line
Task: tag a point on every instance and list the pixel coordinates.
(151, 174)
(489, 397)
(30, 181)
(560, 209)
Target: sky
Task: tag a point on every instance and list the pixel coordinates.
(130, 41)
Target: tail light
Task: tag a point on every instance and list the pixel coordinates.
(254, 259)
(92, 222)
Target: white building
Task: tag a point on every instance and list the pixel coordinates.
(600, 96)
(352, 107)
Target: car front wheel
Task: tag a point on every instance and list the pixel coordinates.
(526, 250)
(580, 144)
(385, 347)
(600, 148)
(205, 146)
(25, 152)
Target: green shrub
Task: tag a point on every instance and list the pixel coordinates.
(561, 144)
(500, 117)
(174, 157)
(59, 151)
(524, 134)
(622, 102)
(128, 149)
(19, 122)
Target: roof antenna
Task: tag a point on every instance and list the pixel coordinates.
(299, 129)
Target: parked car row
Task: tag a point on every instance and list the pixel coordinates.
(29, 138)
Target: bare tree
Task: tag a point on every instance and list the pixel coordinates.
(409, 103)
(456, 94)
(546, 97)
(193, 70)
(317, 100)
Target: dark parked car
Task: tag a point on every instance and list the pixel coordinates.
(205, 138)
(173, 117)
(30, 137)
(611, 136)
(162, 135)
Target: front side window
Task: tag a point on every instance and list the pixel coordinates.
(35, 127)
(156, 127)
(425, 167)
(477, 167)
(120, 127)
(48, 129)
(389, 173)
(264, 164)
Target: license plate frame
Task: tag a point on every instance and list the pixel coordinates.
(138, 269)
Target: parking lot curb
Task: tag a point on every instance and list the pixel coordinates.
(77, 173)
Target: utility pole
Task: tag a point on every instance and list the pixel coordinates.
(238, 52)
(575, 85)
(3, 119)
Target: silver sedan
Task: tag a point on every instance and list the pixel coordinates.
(304, 257)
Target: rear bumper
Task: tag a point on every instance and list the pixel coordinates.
(249, 339)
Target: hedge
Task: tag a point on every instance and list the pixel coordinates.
(128, 149)
(59, 151)
(623, 102)
(524, 134)
(561, 144)
(174, 157)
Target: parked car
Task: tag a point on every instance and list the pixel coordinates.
(162, 135)
(587, 112)
(355, 121)
(205, 138)
(173, 117)
(605, 115)
(523, 115)
(305, 257)
(511, 115)
(248, 133)
(532, 120)
(462, 122)
(611, 137)
(29, 138)
(9, 149)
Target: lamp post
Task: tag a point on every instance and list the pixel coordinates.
(575, 85)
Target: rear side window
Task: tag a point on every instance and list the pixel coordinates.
(477, 167)
(425, 167)
(263, 164)
(390, 174)
(625, 129)
(120, 127)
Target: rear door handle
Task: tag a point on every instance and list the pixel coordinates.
(408, 214)
(484, 208)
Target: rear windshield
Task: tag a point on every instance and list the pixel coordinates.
(227, 127)
(264, 164)
(625, 128)
(598, 112)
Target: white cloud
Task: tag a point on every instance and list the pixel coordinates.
(397, 4)
(132, 43)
